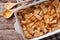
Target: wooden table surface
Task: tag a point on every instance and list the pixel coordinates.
(7, 1)
(7, 31)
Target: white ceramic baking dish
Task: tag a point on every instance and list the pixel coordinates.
(19, 30)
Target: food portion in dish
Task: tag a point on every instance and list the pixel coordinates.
(40, 19)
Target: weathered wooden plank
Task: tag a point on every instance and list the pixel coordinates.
(7, 1)
(1, 8)
(9, 35)
(7, 24)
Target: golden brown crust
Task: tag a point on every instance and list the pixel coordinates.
(40, 19)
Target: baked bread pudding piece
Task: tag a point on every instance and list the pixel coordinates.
(40, 19)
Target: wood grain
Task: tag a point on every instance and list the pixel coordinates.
(1, 8)
(6, 24)
(4, 1)
(9, 35)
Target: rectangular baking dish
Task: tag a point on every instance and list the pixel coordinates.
(19, 30)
